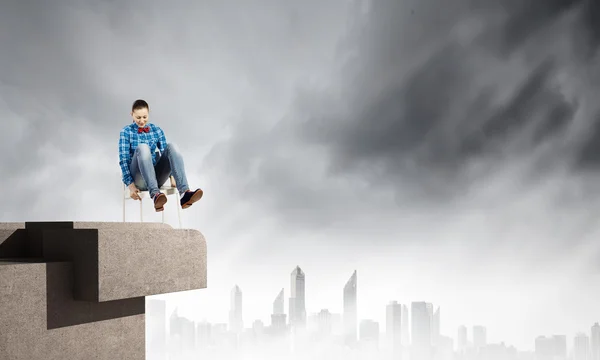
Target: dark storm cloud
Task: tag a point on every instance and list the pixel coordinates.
(439, 115)
(425, 92)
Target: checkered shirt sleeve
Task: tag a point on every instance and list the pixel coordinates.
(125, 146)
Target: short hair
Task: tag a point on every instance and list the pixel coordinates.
(139, 104)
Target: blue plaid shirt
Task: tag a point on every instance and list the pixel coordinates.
(129, 139)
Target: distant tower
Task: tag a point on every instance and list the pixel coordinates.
(560, 347)
(236, 324)
(369, 334)
(393, 326)
(421, 321)
(350, 310)
(435, 327)
(581, 347)
(156, 325)
(461, 339)
(595, 342)
(278, 304)
(420, 324)
(324, 323)
(297, 298)
(479, 337)
(278, 318)
(405, 329)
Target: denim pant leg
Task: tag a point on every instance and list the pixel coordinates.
(171, 163)
(142, 170)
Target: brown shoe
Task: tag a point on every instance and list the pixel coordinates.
(191, 197)
(160, 200)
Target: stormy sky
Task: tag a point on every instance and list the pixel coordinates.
(446, 150)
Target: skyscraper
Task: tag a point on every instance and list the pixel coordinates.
(421, 320)
(324, 323)
(156, 335)
(393, 325)
(350, 310)
(297, 298)
(435, 328)
(278, 318)
(479, 337)
(420, 324)
(369, 330)
(560, 347)
(595, 342)
(544, 348)
(236, 324)
(278, 304)
(581, 347)
(461, 339)
(405, 334)
(551, 348)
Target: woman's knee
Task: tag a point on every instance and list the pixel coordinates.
(143, 150)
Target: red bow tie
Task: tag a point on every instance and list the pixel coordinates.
(144, 129)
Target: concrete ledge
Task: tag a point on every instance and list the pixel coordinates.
(120, 264)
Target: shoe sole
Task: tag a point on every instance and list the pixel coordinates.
(197, 196)
(159, 205)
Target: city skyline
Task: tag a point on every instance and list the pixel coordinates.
(367, 311)
(426, 330)
(545, 347)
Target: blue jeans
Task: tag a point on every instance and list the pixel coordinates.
(147, 176)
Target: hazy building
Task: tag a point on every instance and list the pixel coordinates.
(203, 334)
(297, 303)
(393, 325)
(435, 327)
(278, 324)
(324, 323)
(560, 347)
(498, 352)
(236, 323)
(445, 348)
(278, 317)
(479, 337)
(421, 316)
(278, 304)
(461, 339)
(551, 348)
(369, 334)
(581, 347)
(177, 334)
(258, 330)
(544, 348)
(430, 315)
(405, 333)
(156, 329)
(595, 342)
(420, 326)
(188, 336)
(350, 310)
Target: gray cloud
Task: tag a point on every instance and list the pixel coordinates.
(429, 111)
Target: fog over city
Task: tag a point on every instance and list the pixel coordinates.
(447, 151)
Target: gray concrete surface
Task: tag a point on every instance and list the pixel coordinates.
(36, 295)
